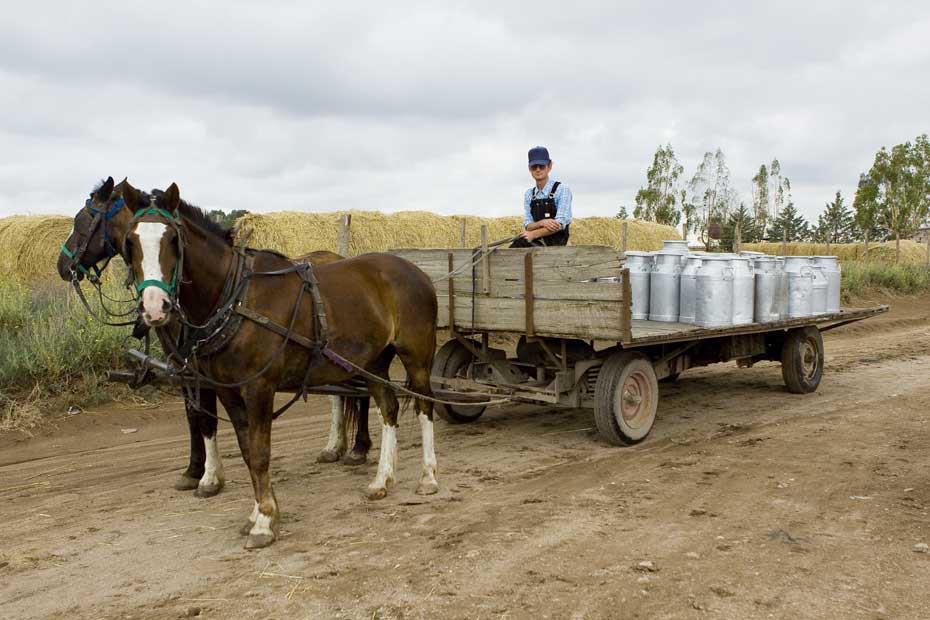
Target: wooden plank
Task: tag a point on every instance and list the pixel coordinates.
(528, 292)
(342, 243)
(599, 320)
(451, 295)
(485, 264)
(626, 311)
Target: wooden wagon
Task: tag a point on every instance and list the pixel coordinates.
(578, 346)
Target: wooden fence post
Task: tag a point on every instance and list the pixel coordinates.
(739, 238)
(342, 242)
(462, 233)
(485, 262)
(623, 238)
(928, 248)
(784, 242)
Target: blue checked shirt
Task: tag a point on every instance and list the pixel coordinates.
(563, 203)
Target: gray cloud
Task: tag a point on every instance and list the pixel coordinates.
(270, 106)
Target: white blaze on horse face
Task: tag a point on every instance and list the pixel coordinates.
(213, 474)
(387, 461)
(153, 298)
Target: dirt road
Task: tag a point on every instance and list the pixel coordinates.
(745, 502)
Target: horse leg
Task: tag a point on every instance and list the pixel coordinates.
(213, 477)
(260, 406)
(195, 467)
(359, 453)
(387, 460)
(235, 409)
(336, 444)
(419, 378)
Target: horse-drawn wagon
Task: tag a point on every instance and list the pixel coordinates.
(571, 310)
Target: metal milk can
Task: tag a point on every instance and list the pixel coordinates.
(640, 266)
(771, 290)
(687, 290)
(819, 294)
(800, 286)
(743, 290)
(664, 287)
(713, 292)
(678, 246)
(831, 269)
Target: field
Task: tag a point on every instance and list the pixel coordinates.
(745, 502)
(911, 252)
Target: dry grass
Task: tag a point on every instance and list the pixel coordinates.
(296, 233)
(911, 251)
(29, 245)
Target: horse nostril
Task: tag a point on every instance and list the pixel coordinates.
(165, 306)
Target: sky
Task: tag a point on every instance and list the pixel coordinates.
(316, 106)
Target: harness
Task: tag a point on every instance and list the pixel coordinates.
(150, 214)
(100, 217)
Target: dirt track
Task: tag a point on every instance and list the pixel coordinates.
(750, 502)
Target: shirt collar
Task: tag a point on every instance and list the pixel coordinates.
(547, 188)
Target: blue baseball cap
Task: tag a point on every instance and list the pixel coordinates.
(539, 155)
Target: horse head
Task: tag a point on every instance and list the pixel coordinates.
(152, 248)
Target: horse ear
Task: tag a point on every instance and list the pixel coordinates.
(172, 198)
(131, 196)
(104, 191)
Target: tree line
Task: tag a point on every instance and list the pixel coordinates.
(892, 200)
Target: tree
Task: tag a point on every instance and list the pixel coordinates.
(865, 205)
(742, 220)
(789, 225)
(226, 219)
(711, 196)
(899, 187)
(760, 198)
(657, 201)
(622, 213)
(836, 224)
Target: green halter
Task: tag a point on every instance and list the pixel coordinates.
(171, 288)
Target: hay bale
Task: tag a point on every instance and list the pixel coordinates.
(30, 244)
(296, 233)
(911, 251)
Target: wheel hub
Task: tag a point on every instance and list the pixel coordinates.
(633, 394)
(808, 351)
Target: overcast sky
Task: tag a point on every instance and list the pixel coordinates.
(395, 106)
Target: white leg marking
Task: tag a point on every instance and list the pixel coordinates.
(429, 452)
(255, 513)
(153, 298)
(387, 461)
(262, 522)
(213, 474)
(337, 427)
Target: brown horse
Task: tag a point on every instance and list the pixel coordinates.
(97, 236)
(375, 306)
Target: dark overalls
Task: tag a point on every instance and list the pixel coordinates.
(544, 209)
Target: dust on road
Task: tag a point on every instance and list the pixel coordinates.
(745, 502)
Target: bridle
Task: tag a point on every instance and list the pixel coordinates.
(100, 217)
(156, 214)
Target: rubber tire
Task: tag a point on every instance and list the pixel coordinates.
(450, 359)
(797, 341)
(613, 374)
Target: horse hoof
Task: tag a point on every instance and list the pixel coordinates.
(428, 487)
(328, 456)
(355, 458)
(186, 483)
(246, 528)
(258, 541)
(376, 493)
(208, 490)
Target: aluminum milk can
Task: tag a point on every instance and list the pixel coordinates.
(640, 266)
(800, 286)
(743, 290)
(678, 246)
(664, 287)
(819, 294)
(771, 290)
(687, 294)
(751, 255)
(713, 292)
(831, 269)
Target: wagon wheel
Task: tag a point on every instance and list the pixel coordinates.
(802, 360)
(452, 360)
(626, 397)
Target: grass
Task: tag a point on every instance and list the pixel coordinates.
(52, 353)
(860, 278)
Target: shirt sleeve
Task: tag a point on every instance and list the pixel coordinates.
(563, 204)
(527, 214)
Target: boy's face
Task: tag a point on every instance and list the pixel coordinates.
(540, 172)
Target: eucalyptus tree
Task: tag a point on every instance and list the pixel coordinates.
(711, 196)
(657, 201)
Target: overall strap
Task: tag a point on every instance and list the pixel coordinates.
(555, 188)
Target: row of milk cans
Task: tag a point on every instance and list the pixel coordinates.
(717, 290)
